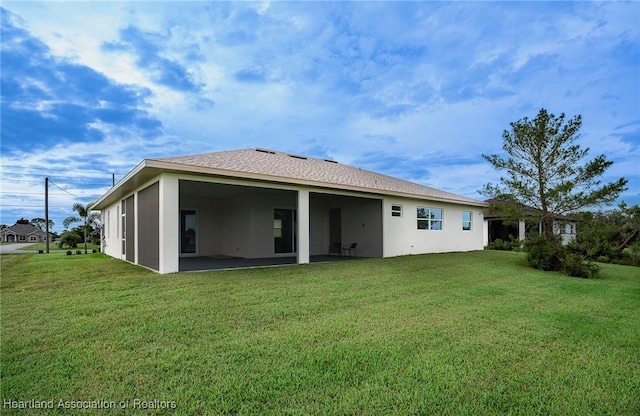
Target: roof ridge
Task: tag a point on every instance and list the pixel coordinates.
(257, 149)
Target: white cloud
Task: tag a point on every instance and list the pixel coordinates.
(435, 80)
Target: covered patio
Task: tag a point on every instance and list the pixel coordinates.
(231, 225)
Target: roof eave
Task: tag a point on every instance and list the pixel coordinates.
(104, 200)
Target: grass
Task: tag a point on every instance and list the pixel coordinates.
(53, 247)
(460, 333)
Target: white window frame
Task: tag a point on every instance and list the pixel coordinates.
(430, 219)
(470, 222)
(396, 210)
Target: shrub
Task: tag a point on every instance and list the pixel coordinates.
(497, 244)
(632, 253)
(70, 239)
(629, 256)
(544, 254)
(78, 251)
(68, 252)
(634, 249)
(605, 252)
(513, 244)
(578, 266)
(551, 255)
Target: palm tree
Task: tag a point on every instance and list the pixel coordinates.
(86, 216)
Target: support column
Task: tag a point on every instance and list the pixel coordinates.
(303, 226)
(169, 227)
(522, 231)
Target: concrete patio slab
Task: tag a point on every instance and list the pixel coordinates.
(191, 264)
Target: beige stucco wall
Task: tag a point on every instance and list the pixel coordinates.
(401, 235)
(111, 237)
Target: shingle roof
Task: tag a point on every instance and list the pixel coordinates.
(491, 211)
(23, 229)
(319, 172)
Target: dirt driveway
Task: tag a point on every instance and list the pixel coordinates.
(12, 248)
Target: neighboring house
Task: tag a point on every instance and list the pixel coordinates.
(495, 227)
(257, 203)
(23, 233)
(95, 236)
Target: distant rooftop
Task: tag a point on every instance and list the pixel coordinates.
(23, 229)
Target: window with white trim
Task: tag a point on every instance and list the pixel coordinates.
(33, 238)
(429, 218)
(396, 210)
(466, 220)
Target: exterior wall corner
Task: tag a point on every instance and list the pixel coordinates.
(169, 235)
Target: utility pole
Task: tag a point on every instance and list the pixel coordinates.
(46, 213)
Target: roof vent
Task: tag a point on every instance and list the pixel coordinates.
(265, 151)
(330, 161)
(297, 157)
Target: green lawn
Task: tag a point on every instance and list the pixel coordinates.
(53, 247)
(461, 333)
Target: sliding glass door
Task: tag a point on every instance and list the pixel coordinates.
(284, 230)
(188, 230)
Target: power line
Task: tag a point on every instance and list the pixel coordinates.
(34, 182)
(16, 177)
(11, 193)
(26, 193)
(64, 190)
(23, 168)
(36, 171)
(32, 206)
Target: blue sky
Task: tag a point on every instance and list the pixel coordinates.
(416, 90)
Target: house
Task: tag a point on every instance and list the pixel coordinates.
(23, 233)
(496, 227)
(258, 203)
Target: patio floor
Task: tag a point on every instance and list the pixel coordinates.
(192, 264)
